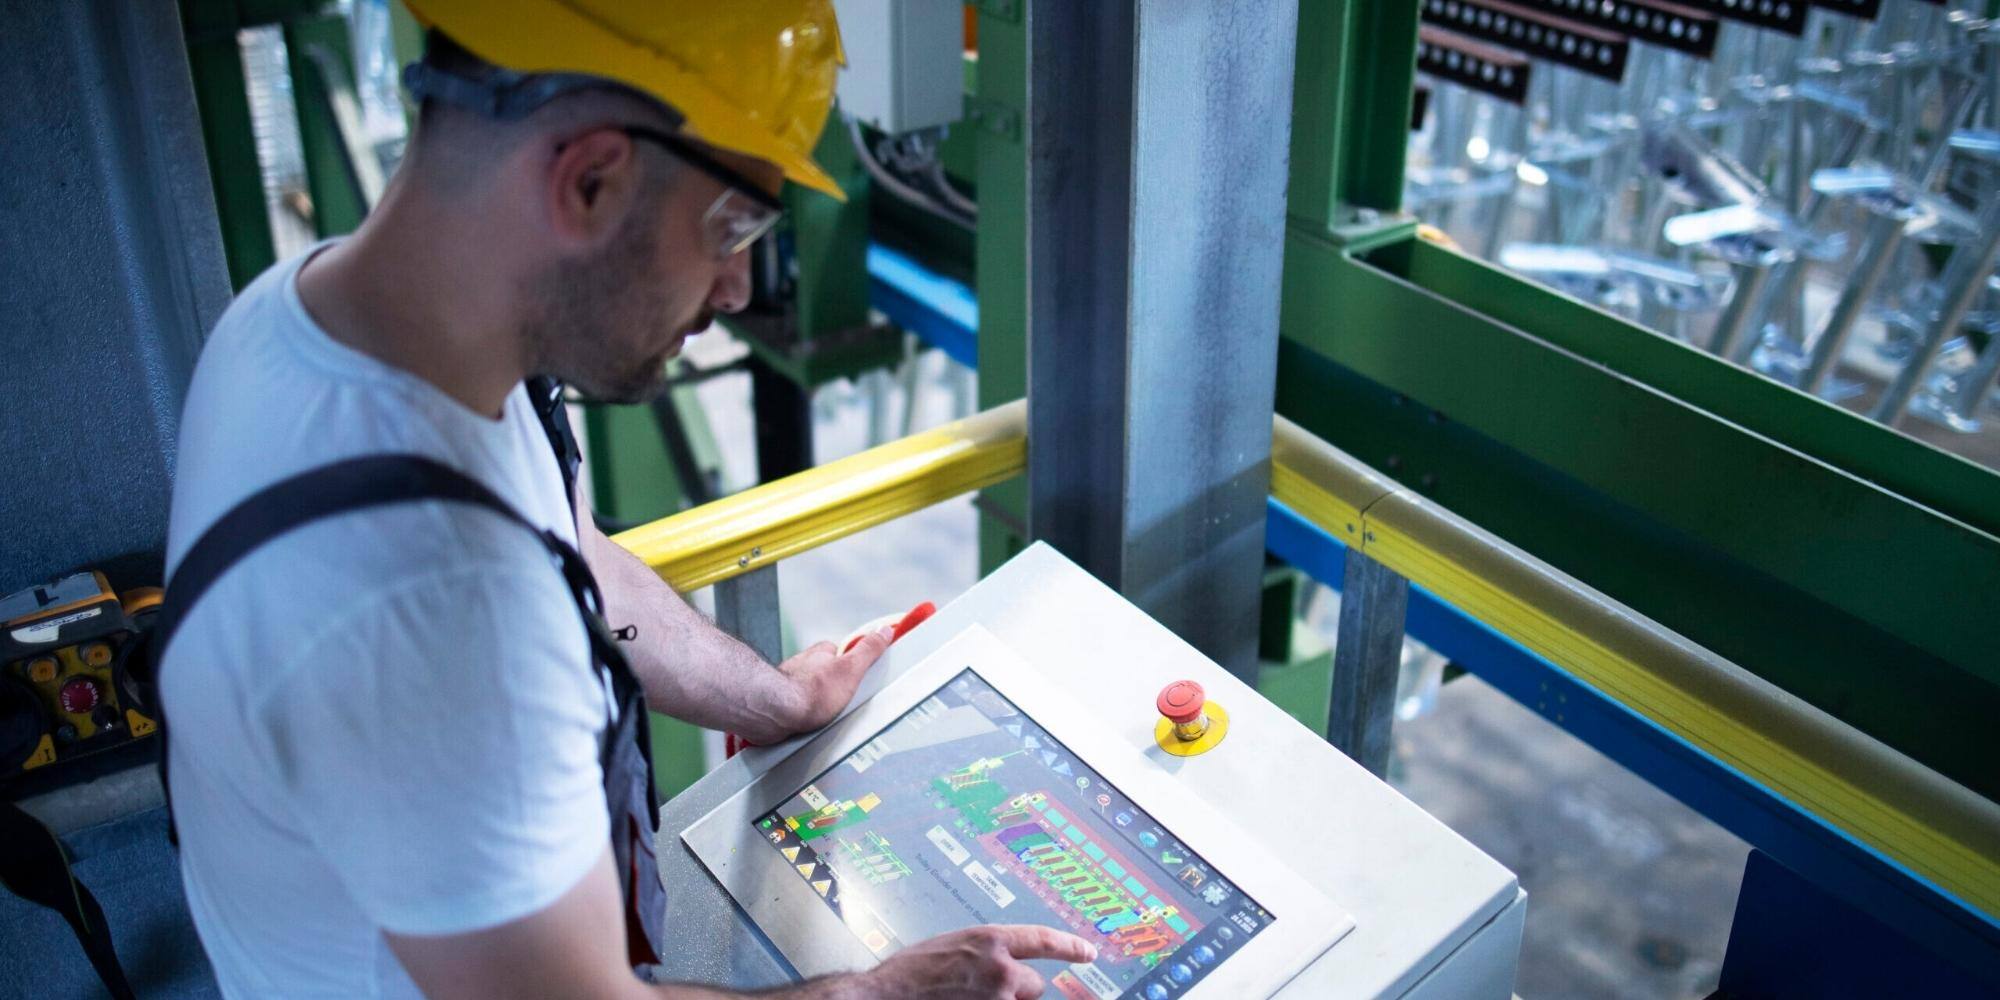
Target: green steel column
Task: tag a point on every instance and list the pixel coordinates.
(1351, 96)
(1001, 252)
(224, 104)
(338, 206)
(830, 240)
(823, 333)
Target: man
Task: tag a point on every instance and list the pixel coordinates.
(388, 757)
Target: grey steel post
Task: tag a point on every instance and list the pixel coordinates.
(1158, 147)
(1885, 234)
(746, 607)
(1790, 289)
(1454, 109)
(1503, 203)
(1976, 382)
(1750, 281)
(1964, 279)
(1367, 660)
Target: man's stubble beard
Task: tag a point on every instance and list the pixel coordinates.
(591, 308)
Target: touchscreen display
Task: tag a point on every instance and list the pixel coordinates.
(964, 811)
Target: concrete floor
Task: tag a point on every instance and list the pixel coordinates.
(1630, 893)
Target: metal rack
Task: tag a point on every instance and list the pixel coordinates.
(1719, 172)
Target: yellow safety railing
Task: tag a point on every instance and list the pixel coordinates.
(1933, 826)
(1930, 824)
(715, 541)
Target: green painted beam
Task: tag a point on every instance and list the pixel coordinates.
(1001, 254)
(678, 759)
(406, 39)
(216, 64)
(1943, 482)
(1301, 682)
(223, 101)
(960, 149)
(1847, 594)
(338, 207)
(631, 480)
(1351, 93)
(830, 239)
(825, 333)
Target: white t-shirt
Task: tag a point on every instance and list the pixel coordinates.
(384, 720)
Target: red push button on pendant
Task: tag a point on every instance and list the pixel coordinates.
(79, 695)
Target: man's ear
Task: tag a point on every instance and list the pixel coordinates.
(589, 184)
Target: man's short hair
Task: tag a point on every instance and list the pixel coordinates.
(450, 74)
(471, 111)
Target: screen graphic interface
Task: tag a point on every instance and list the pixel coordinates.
(964, 811)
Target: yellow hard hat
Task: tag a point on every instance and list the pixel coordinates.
(754, 76)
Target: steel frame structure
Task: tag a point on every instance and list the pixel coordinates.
(1826, 554)
(1846, 866)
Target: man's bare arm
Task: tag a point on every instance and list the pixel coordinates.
(694, 671)
(575, 947)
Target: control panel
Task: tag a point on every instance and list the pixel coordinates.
(1042, 752)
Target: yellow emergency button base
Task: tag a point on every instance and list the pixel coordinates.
(1218, 727)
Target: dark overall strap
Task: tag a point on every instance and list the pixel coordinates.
(327, 491)
(547, 396)
(35, 867)
(378, 480)
(351, 485)
(628, 751)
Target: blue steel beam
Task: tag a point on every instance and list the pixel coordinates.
(945, 314)
(941, 312)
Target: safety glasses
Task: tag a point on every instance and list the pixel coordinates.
(741, 214)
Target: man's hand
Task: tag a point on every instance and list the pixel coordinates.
(692, 671)
(825, 679)
(978, 963)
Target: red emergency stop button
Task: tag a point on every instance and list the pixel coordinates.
(79, 695)
(1181, 701)
(1189, 723)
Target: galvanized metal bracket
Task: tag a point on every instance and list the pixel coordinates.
(993, 117)
(1358, 229)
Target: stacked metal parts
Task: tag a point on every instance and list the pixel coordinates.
(1808, 189)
